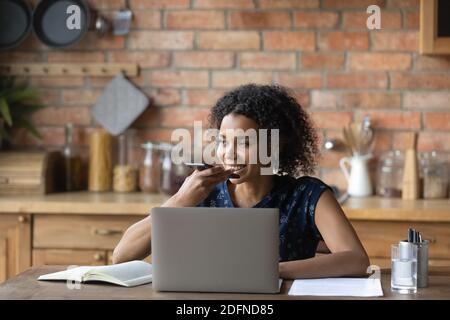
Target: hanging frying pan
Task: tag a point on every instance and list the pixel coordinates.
(15, 22)
(55, 22)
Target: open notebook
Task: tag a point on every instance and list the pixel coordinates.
(127, 274)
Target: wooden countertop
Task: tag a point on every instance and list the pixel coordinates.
(371, 208)
(26, 286)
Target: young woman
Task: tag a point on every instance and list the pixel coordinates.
(309, 212)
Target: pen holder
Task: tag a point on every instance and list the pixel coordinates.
(422, 264)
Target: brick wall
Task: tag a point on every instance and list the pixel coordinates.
(191, 51)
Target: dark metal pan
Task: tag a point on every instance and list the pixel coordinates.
(15, 22)
(50, 22)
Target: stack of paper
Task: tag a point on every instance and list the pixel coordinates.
(355, 287)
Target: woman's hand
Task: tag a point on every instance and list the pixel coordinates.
(198, 186)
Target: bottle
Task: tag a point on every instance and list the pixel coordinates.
(390, 174)
(74, 168)
(150, 168)
(434, 175)
(125, 172)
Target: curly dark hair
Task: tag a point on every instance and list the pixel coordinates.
(274, 107)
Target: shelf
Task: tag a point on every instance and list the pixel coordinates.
(69, 69)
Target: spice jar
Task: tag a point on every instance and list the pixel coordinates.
(150, 168)
(433, 175)
(172, 175)
(125, 172)
(390, 174)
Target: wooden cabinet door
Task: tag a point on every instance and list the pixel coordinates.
(15, 244)
(69, 257)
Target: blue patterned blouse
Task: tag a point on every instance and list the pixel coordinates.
(296, 199)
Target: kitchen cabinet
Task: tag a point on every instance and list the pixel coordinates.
(15, 244)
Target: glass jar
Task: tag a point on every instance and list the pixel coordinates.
(125, 171)
(390, 174)
(433, 175)
(172, 175)
(150, 168)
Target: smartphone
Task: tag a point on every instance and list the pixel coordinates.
(198, 166)
(203, 166)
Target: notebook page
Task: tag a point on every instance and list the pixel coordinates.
(355, 287)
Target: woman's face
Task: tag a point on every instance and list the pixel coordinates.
(236, 150)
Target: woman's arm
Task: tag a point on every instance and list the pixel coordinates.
(347, 257)
(136, 241)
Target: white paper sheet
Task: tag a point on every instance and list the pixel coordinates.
(354, 287)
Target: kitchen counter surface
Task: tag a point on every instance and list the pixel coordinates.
(25, 286)
(371, 208)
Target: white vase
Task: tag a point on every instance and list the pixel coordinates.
(356, 172)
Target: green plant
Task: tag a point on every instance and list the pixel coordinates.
(17, 103)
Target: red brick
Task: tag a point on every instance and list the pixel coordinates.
(183, 117)
(57, 81)
(91, 41)
(325, 99)
(62, 115)
(357, 80)
(334, 177)
(380, 61)
(426, 99)
(150, 118)
(85, 96)
(340, 40)
(229, 40)
(106, 4)
(437, 63)
(148, 19)
(352, 3)
(155, 135)
(161, 40)
(259, 20)
(202, 97)
(224, 4)
(74, 56)
(191, 19)
(179, 79)
(420, 81)
(403, 3)
(199, 59)
(165, 97)
(289, 40)
(437, 120)
(49, 96)
(371, 100)
(308, 19)
(331, 119)
(412, 20)
(270, 61)
(101, 81)
(151, 4)
(358, 20)
(19, 57)
(145, 59)
(230, 79)
(328, 61)
(301, 80)
(396, 41)
(289, 4)
(395, 120)
(51, 136)
(434, 141)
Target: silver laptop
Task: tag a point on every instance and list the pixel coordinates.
(215, 249)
